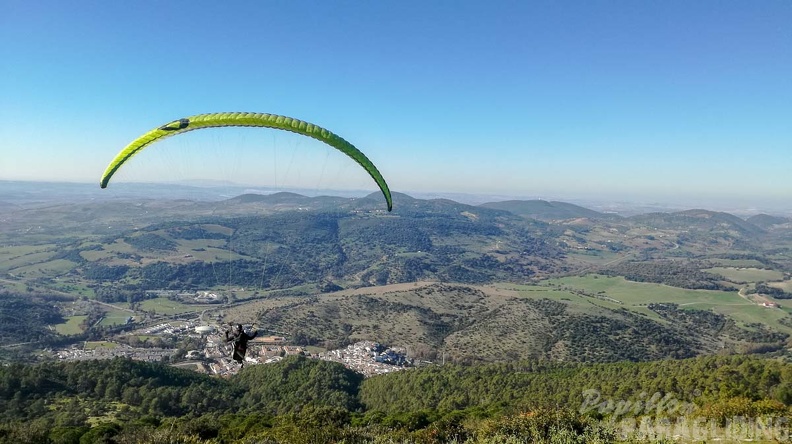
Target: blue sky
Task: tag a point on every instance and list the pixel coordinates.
(660, 100)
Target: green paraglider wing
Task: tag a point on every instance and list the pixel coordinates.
(246, 119)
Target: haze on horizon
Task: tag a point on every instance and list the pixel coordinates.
(669, 102)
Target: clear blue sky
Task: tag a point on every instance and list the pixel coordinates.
(557, 99)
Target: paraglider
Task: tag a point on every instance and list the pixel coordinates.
(239, 338)
(215, 120)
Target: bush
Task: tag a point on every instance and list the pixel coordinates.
(547, 426)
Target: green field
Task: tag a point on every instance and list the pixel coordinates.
(14, 262)
(785, 285)
(743, 263)
(214, 228)
(558, 294)
(115, 317)
(213, 254)
(119, 246)
(71, 327)
(756, 314)
(745, 275)
(6, 284)
(49, 268)
(635, 293)
(32, 261)
(786, 304)
(594, 257)
(635, 296)
(206, 250)
(314, 349)
(76, 289)
(11, 252)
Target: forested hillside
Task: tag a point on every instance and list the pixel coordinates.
(301, 399)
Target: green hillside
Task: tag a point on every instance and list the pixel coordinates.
(544, 210)
(302, 400)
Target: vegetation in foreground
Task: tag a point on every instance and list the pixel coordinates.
(303, 400)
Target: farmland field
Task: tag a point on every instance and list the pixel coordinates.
(6, 284)
(9, 252)
(636, 296)
(115, 317)
(14, 262)
(72, 326)
(639, 293)
(785, 285)
(48, 268)
(744, 263)
(744, 275)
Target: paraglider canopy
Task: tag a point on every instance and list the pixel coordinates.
(274, 121)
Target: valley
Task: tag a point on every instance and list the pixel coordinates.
(445, 280)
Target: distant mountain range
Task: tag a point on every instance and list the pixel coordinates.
(22, 196)
(30, 194)
(544, 210)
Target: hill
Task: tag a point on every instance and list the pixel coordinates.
(355, 243)
(547, 211)
(267, 198)
(471, 324)
(700, 220)
(766, 221)
(283, 201)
